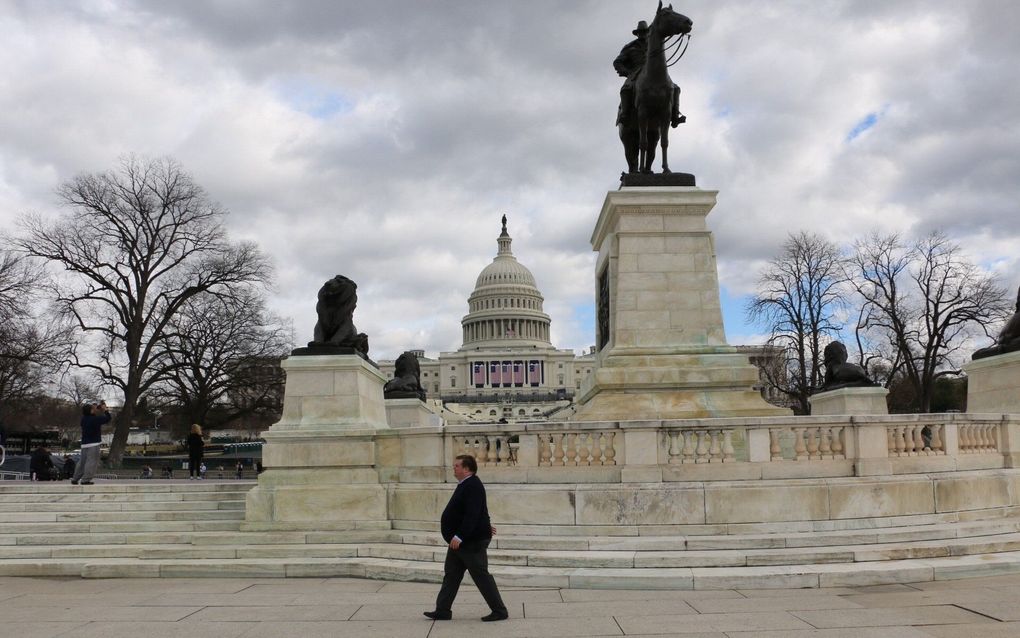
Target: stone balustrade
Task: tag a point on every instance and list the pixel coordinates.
(713, 449)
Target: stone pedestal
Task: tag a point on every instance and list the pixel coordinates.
(850, 401)
(409, 413)
(320, 458)
(993, 384)
(662, 349)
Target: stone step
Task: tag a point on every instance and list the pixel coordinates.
(42, 531)
(123, 516)
(140, 487)
(735, 541)
(119, 506)
(758, 577)
(30, 500)
(790, 527)
(158, 548)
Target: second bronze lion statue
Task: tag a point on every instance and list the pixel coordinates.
(839, 373)
(406, 381)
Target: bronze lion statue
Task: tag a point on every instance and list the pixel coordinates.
(335, 309)
(1008, 339)
(406, 381)
(839, 373)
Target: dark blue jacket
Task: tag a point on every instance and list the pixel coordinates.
(467, 514)
(92, 428)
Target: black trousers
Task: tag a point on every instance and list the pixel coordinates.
(471, 557)
(194, 462)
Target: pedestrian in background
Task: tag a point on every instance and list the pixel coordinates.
(94, 417)
(196, 446)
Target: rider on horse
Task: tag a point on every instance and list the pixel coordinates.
(628, 64)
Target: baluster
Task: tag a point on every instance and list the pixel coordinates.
(469, 446)
(689, 451)
(597, 440)
(824, 447)
(674, 447)
(582, 453)
(799, 449)
(991, 438)
(545, 453)
(557, 449)
(837, 442)
(703, 447)
(775, 450)
(891, 444)
(570, 443)
(812, 443)
(715, 446)
(908, 440)
(486, 451)
(727, 446)
(504, 450)
(936, 438)
(901, 445)
(919, 445)
(610, 449)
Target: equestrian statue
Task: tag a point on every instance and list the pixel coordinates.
(649, 101)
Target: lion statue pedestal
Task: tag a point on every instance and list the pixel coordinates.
(322, 470)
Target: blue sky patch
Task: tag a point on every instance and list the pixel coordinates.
(866, 123)
(321, 102)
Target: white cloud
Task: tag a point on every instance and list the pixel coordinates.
(384, 140)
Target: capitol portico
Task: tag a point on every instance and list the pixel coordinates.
(507, 367)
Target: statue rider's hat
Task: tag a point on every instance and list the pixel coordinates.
(642, 28)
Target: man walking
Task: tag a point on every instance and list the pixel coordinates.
(465, 526)
(92, 421)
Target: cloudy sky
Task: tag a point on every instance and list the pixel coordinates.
(383, 140)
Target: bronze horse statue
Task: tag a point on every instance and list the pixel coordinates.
(648, 123)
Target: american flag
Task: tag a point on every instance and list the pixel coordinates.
(518, 373)
(534, 372)
(479, 373)
(507, 373)
(494, 376)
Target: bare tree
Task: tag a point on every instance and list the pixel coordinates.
(926, 300)
(217, 346)
(799, 298)
(30, 349)
(137, 244)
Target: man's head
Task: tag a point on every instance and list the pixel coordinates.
(86, 409)
(464, 466)
(99, 408)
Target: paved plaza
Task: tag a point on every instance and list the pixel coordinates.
(340, 607)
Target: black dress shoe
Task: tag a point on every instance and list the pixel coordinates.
(436, 615)
(86, 483)
(494, 616)
(74, 482)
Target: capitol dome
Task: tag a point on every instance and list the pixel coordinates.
(505, 309)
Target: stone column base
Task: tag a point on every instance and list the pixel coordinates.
(993, 384)
(715, 382)
(409, 413)
(850, 401)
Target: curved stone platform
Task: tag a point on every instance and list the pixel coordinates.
(148, 529)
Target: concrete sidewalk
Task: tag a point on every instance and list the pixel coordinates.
(340, 607)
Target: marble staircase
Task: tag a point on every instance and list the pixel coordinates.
(196, 529)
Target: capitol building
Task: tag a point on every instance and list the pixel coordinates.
(507, 368)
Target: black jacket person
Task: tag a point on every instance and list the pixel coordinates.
(465, 527)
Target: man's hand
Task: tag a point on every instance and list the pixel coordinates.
(455, 543)
(492, 530)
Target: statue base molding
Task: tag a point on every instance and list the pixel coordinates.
(865, 400)
(993, 384)
(656, 179)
